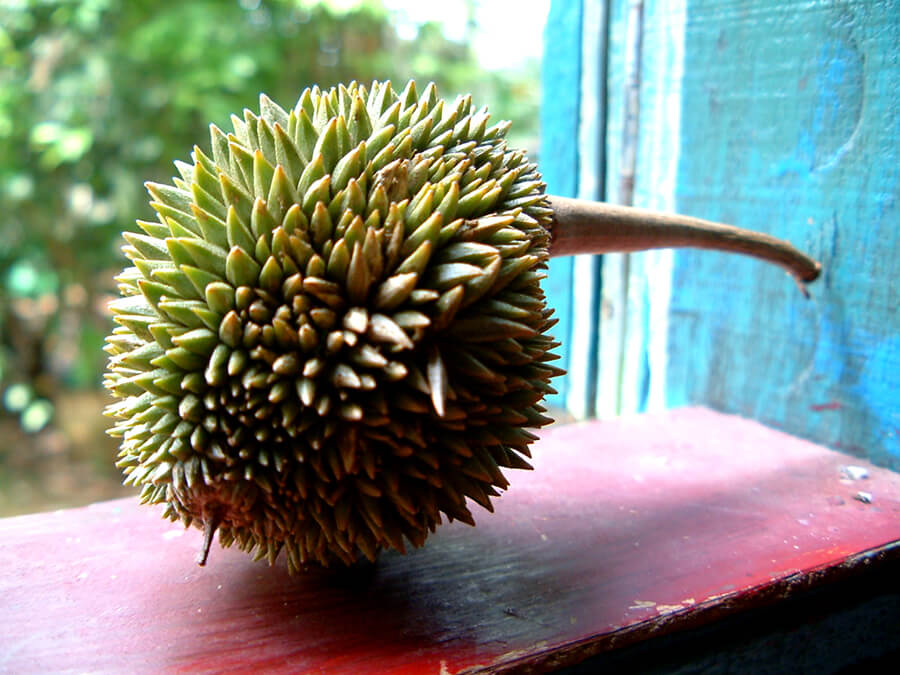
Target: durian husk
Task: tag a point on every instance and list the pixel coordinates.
(334, 337)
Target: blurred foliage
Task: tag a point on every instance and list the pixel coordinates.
(98, 96)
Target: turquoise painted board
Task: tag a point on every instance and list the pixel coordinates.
(558, 159)
(790, 123)
(636, 286)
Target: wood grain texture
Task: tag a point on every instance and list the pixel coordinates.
(625, 530)
(789, 125)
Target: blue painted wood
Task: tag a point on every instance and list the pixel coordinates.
(635, 286)
(613, 328)
(790, 124)
(587, 284)
(561, 79)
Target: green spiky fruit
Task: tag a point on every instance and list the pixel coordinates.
(335, 333)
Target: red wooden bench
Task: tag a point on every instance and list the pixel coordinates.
(625, 532)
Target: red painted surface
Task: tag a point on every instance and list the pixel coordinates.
(626, 529)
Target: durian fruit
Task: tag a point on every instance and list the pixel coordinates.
(335, 334)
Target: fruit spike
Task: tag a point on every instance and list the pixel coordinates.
(335, 335)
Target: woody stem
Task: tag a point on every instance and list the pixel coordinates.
(582, 226)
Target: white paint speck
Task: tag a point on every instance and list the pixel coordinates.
(855, 472)
(172, 534)
(665, 609)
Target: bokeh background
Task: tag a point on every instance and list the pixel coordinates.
(98, 96)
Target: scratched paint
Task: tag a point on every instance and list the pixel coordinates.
(834, 121)
(717, 519)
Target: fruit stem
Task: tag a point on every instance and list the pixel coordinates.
(582, 226)
(211, 523)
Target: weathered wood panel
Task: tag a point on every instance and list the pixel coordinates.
(790, 123)
(560, 101)
(625, 531)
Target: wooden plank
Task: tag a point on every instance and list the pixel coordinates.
(637, 286)
(581, 379)
(626, 530)
(789, 125)
(558, 160)
(613, 318)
